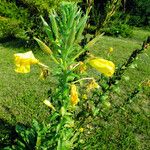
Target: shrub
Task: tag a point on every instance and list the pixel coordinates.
(10, 28)
(24, 15)
(14, 21)
(118, 29)
(139, 11)
(118, 26)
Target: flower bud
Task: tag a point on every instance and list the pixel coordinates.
(104, 66)
(43, 46)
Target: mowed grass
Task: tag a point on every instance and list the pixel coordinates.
(22, 95)
(129, 128)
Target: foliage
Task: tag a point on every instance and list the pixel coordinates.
(78, 97)
(11, 20)
(25, 14)
(117, 28)
(139, 11)
(126, 128)
(64, 33)
(10, 28)
(102, 11)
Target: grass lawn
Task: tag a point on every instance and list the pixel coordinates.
(21, 96)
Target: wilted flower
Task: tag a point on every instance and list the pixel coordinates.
(74, 95)
(44, 73)
(103, 66)
(92, 85)
(146, 83)
(23, 61)
(82, 67)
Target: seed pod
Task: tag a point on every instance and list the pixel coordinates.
(54, 25)
(71, 37)
(64, 19)
(49, 34)
(72, 16)
(82, 22)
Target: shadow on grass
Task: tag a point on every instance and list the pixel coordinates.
(18, 43)
(7, 130)
(7, 134)
(14, 42)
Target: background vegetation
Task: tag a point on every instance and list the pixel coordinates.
(21, 96)
(20, 18)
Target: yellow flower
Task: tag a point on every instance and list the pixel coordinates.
(82, 67)
(74, 95)
(81, 129)
(49, 104)
(104, 66)
(23, 61)
(110, 50)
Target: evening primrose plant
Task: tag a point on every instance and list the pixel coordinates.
(75, 87)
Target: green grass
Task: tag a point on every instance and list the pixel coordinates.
(129, 128)
(21, 96)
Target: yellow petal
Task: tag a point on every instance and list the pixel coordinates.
(25, 58)
(103, 66)
(23, 69)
